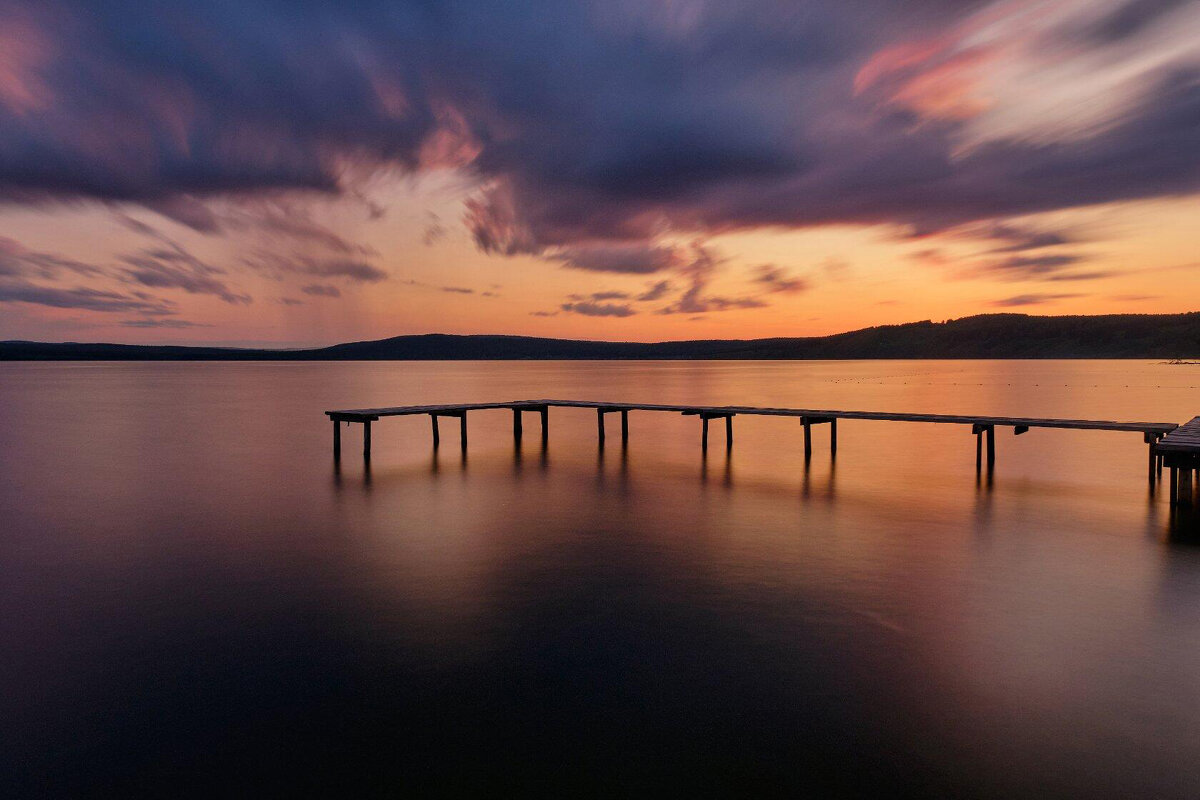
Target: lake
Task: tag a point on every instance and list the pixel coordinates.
(195, 601)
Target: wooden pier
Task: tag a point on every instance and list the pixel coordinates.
(1174, 446)
(1180, 452)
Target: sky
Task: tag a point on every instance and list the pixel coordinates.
(303, 172)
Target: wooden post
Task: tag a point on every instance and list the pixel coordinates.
(978, 452)
(600, 425)
(545, 424)
(517, 424)
(991, 447)
(807, 439)
(624, 426)
(337, 439)
(704, 433)
(462, 422)
(1173, 479)
(367, 440)
(728, 433)
(437, 439)
(833, 436)
(1185, 486)
(1153, 458)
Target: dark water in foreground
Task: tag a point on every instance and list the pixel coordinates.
(193, 600)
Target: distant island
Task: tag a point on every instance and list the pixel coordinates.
(1158, 336)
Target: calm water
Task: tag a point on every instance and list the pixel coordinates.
(194, 601)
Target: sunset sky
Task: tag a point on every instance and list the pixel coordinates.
(300, 172)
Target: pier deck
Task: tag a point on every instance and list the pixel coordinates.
(1179, 445)
(1180, 451)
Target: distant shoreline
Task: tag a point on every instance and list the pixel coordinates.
(1171, 338)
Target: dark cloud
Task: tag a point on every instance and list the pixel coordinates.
(277, 267)
(172, 267)
(85, 299)
(655, 291)
(628, 257)
(591, 309)
(1035, 267)
(1032, 299)
(321, 290)
(600, 296)
(695, 299)
(696, 117)
(289, 222)
(1131, 18)
(1018, 239)
(773, 279)
(16, 260)
(163, 323)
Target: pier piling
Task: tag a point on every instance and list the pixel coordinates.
(1169, 446)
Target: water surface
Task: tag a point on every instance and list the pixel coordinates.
(195, 600)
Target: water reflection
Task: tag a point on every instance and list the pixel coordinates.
(226, 613)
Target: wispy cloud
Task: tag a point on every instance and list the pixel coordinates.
(773, 279)
(1032, 299)
(321, 290)
(277, 267)
(172, 267)
(592, 309)
(85, 299)
(169, 322)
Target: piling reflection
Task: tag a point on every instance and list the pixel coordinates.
(831, 625)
